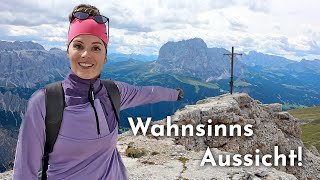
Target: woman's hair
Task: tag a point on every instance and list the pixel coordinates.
(92, 10)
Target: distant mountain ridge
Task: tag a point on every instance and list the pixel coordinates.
(258, 59)
(199, 70)
(138, 57)
(304, 65)
(193, 58)
(254, 58)
(18, 45)
(24, 64)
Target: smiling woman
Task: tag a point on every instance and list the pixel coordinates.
(87, 54)
(85, 128)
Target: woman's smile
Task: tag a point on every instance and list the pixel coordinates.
(87, 65)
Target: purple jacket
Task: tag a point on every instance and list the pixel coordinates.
(80, 152)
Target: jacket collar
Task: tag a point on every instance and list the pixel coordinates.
(77, 86)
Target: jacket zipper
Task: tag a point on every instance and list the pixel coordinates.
(91, 99)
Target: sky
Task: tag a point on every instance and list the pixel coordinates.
(288, 28)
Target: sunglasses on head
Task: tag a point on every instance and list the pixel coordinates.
(83, 15)
(98, 18)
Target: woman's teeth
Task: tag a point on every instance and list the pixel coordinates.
(85, 65)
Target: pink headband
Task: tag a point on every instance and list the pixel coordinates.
(87, 26)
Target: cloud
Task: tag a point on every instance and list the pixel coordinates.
(23, 19)
(144, 26)
(130, 26)
(33, 13)
(237, 26)
(259, 5)
(276, 27)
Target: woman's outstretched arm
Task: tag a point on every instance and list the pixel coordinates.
(138, 95)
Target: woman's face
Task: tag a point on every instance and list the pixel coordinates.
(87, 54)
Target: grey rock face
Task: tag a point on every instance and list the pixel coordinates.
(24, 64)
(271, 128)
(17, 45)
(314, 151)
(12, 102)
(193, 58)
(8, 139)
(12, 109)
(164, 159)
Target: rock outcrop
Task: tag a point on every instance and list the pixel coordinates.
(177, 157)
(6, 175)
(12, 102)
(193, 58)
(165, 159)
(271, 128)
(25, 64)
(8, 140)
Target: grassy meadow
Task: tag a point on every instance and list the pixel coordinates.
(311, 129)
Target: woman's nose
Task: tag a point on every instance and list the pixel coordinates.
(85, 54)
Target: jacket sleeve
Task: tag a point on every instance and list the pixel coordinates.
(138, 95)
(31, 139)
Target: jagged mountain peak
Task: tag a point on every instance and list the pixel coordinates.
(191, 48)
(55, 49)
(193, 41)
(20, 45)
(193, 58)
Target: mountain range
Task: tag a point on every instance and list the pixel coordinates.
(200, 71)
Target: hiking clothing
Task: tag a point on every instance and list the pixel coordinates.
(80, 151)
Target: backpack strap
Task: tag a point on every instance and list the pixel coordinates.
(54, 113)
(114, 95)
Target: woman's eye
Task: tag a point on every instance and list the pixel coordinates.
(78, 46)
(96, 48)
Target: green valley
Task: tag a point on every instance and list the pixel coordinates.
(311, 125)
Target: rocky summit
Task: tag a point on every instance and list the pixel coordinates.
(179, 157)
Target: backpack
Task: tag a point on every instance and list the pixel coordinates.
(54, 114)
